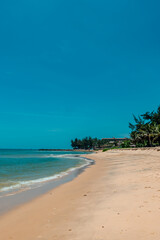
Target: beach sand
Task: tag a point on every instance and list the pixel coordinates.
(118, 198)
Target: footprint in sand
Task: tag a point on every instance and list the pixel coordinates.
(141, 206)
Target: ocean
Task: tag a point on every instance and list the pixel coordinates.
(25, 169)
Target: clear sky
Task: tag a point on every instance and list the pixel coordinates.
(76, 68)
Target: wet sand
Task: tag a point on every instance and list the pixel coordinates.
(118, 198)
(12, 199)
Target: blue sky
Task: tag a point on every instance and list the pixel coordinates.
(75, 68)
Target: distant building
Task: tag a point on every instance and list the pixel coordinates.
(115, 139)
(110, 142)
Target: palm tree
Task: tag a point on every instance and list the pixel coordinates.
(157, 134)
(146, 130)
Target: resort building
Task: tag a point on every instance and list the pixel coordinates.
(110, 142)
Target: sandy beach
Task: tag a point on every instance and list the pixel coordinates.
(117, 198)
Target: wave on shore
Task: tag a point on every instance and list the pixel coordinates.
(39, 169)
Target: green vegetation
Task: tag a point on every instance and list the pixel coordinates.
(94, 143)
(126, 144)
(106, 149)
(146, 130)
(87, 143)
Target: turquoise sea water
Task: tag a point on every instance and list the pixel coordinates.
(20, 169)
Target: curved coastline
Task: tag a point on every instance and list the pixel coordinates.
(117, 197)
(15, 197)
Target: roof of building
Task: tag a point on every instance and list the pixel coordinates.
(113, 139)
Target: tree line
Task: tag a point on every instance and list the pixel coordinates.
(145, 132)
(87, 143)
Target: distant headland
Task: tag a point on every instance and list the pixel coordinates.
(65, 150)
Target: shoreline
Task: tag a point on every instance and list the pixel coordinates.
(65, 150)
(116, 198)
(13, 199)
